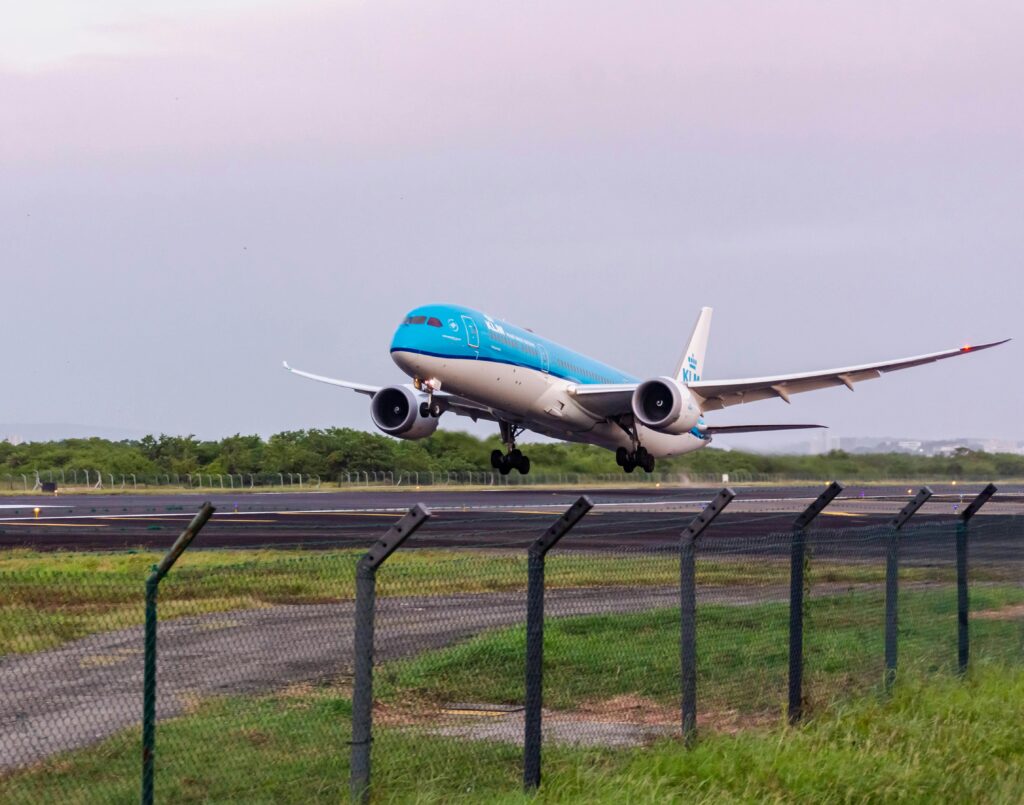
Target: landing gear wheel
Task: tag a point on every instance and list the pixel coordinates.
(497, 458)
(621, 456)
(435, 410)
(424, 409)
(504, 469)
(524, 465)
(515, 456)
(629, 466)
(647, 463)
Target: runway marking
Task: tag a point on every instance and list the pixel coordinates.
(33, 523)
(171, 517)
(351, 512)
(547, 512)
(32, 506)
(648, 506)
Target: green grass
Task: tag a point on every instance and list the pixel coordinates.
(47, 599)
(940, 740)
(742, 653)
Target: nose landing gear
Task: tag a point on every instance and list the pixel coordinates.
(514, 458)
(430, 408)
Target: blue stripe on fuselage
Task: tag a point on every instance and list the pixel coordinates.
(499, 342)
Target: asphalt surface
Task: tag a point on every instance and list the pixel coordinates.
(622, 518)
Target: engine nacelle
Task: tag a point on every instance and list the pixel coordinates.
(664, 404)
(396, 411)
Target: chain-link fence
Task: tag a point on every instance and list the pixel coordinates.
(256, 651)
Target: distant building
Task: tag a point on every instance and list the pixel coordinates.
(824, 441)
(15, 439)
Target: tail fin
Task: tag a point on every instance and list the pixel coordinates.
(691, 364)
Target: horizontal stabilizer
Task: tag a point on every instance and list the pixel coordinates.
(713, 430)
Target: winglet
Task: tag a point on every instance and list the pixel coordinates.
(286, 366)
(691, 365)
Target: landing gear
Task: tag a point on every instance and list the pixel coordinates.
(514, 458)
(430, 408)
(629, 460)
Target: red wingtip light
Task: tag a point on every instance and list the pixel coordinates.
(965, 348)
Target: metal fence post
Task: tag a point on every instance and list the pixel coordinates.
(362, 692)
(962, 603)
(797, 557)
(535, 637)
(149, 660)
(892, 583)
(688, 610)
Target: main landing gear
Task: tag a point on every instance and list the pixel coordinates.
(629, 460)
(514, 458)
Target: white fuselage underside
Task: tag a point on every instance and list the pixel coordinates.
(537, 401)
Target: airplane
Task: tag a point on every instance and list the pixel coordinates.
(471, 364)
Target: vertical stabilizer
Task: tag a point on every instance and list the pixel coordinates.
(691, 364)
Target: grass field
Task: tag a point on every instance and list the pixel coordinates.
(939, 740)
(50, 598)
(742, 653)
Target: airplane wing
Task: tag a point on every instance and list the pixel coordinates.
(615, 399)
(713, 430)
(722, 393)
(358, 387)
(605, 399)
(457, 405)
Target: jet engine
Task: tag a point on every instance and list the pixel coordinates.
(396, 411)
(664, 404)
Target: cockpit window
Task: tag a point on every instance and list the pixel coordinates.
(434, 322)
(417, 319)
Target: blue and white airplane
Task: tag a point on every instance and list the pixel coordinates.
(471, 364)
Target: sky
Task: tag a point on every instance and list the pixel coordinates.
(191, 192)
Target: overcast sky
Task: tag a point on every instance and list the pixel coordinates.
(191, 192)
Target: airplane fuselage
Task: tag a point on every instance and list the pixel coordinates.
(523, 378)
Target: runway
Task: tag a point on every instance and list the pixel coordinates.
(622, 519)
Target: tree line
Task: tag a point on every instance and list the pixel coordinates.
(334, 451)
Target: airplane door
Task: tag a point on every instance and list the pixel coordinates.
(472, 334)
(543, 353)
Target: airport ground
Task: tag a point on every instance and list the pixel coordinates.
(271, 575)
(624, 517)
